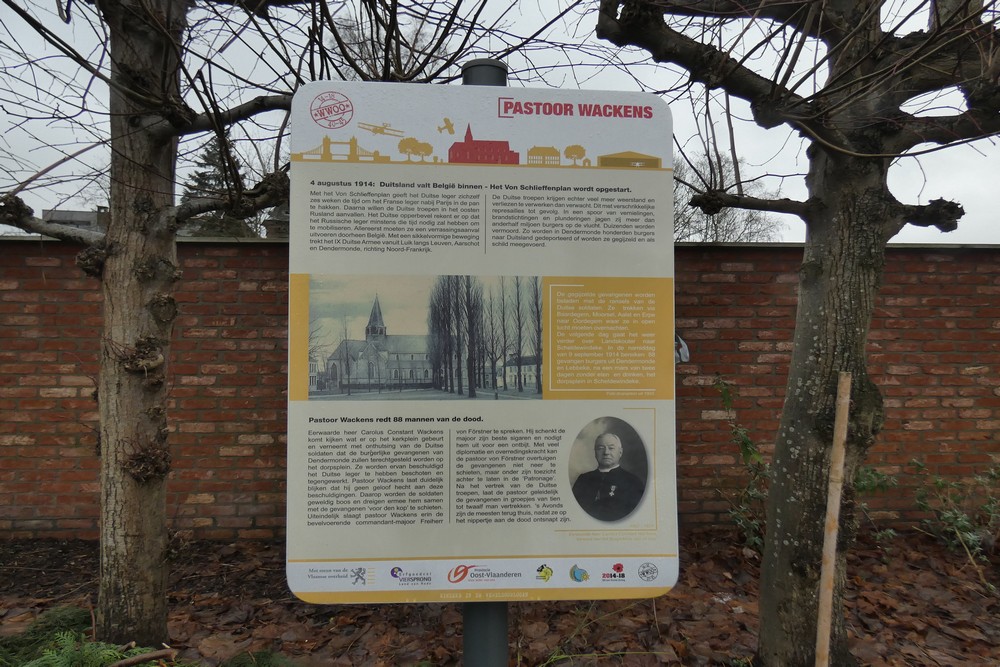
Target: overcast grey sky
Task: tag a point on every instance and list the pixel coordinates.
(966, 173)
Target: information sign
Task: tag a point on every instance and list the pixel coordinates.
(481, 350)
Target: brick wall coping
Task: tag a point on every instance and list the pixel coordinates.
(683, 244)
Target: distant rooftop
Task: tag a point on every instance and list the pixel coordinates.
(92, 220)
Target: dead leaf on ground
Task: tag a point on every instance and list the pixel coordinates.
(916, 604)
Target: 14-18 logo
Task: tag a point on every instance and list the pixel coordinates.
(618, 572)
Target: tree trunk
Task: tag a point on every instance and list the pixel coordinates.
(455, 283)
(839, 281)
(471, 345)
(138, 275)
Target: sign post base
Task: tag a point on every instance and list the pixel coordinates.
(484, 634)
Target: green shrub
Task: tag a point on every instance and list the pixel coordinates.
(963, 515)
(18, 650)
(748, 506)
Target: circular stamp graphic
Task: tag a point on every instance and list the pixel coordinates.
(331, 110)
(648, 572)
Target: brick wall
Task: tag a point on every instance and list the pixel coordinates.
(935, 351)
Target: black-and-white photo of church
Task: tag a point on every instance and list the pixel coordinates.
(380, 359)
(425, 337)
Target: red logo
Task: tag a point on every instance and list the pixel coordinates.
(331, 110)
(618, 567)
(459, 573)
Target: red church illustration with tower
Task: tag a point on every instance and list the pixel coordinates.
(478, 151)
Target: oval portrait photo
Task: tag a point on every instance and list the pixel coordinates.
(608, 468)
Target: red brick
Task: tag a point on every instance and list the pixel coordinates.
(935, 346)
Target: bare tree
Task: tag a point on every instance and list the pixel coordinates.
(435, 346)
(441, 324)
(458, 322)
(317, 339)
(317, 351)
(728, 225)
(535, 312)
(518, 321)
(358, 32)
(846, 76)
(493, 351)
(472, 297)
(137, 79)
(505, 327)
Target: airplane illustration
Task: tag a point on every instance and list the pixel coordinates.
(447, 127)
(384, 128)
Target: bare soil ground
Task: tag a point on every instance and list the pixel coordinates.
(911, 602)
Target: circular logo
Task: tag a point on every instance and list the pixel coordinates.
(331, 110)
(396, 572)
(648, 572)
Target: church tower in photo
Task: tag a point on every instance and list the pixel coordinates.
(376, 325)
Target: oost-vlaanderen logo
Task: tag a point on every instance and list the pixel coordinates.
(459, 573)
(331, 110)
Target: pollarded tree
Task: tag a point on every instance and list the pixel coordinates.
(136, 263)
(844, 76)
(134, 78)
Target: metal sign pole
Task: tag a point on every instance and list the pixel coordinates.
(484, 634)
(484, 624)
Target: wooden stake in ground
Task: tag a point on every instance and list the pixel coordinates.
(834, 489)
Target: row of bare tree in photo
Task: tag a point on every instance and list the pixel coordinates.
(498, 329)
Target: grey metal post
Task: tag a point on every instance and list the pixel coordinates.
(484, 72)
(484, 634)
(484, 624)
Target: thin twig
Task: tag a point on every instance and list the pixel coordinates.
(167, 653)
(972, 559)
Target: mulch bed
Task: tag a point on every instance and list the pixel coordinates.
(909, 603)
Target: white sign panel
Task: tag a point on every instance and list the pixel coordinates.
(481, 357)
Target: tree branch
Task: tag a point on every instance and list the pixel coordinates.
(14, 212)
(792, 13)
(710, 66)
(260, 7)
(271, 191)
(918, 63)
(944, 131)
(713, 201)
(206, 122)
(938, 213)
(163, 654)
(75, 56)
